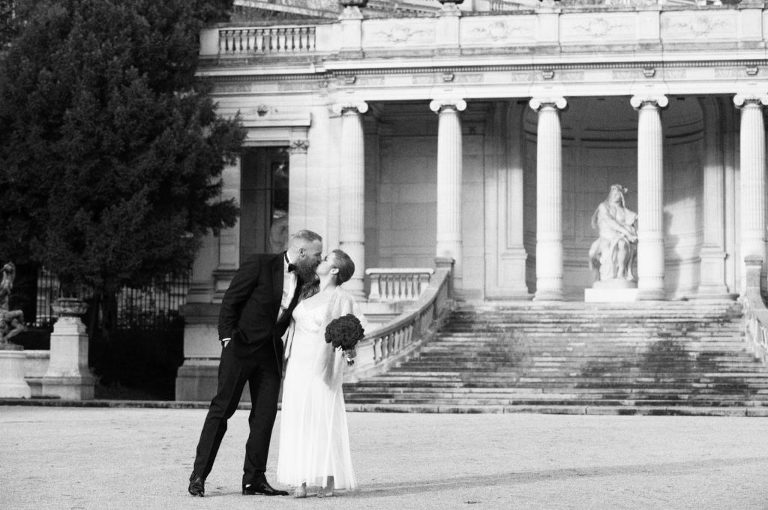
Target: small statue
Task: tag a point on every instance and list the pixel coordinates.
(611, 256)
(11, 321)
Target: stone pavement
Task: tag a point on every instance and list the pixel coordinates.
(128, 458)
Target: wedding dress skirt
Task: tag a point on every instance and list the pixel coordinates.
(314, 440)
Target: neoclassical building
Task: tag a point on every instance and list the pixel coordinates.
(488, 133)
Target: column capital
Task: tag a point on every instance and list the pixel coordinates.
(743, 99)
(438, 105)
(350, 106)
(655, 100)
(537, 103)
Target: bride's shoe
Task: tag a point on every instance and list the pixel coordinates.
(301, 491)
(326, 492)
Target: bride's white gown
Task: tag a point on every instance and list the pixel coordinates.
(314, 441)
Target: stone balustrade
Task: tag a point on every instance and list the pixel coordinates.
(281, 40)
(755, 311)
(392, 285)
(399, 339)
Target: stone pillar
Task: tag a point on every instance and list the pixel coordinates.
(351, 23)
(449, 173)
(352, 191)
(752, 169)
(650, 196)
(12, 383)
(549, 199)
(712, 283)
(68, 376)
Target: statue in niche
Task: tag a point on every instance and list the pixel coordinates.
(612, 255)
(11, 321)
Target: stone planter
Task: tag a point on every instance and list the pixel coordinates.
(12, 383)
(68, 376)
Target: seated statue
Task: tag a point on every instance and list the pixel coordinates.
(611, 256)
(11, 321)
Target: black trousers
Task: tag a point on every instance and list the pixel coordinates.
(260, 372)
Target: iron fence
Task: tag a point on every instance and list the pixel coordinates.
(154, 307)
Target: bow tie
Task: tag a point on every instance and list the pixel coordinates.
(291, 268)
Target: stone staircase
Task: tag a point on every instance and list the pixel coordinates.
(578, 358)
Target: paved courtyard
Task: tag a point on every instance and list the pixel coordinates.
(104, 458)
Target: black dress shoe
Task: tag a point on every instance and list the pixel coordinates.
(261, 487)
(197, 486)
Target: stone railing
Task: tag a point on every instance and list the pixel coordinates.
(399, 339)
(280, 40)
(755, 311)
(392, 285)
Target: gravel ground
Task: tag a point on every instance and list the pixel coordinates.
(105, 458)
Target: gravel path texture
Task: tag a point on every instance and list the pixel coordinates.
(123, 458)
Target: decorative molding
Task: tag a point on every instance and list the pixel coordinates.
(438, 105)
(600, 27)
(448, 77)
(298, 147)
(547, 74)
(658, 100)
(402, 33)
(497, 32)
(649, 72)
(752, 70)
(685, 26)
(537, 103)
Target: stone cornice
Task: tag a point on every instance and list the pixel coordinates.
(224, 73)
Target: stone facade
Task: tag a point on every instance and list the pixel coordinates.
(492, 138)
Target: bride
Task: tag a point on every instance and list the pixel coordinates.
(314, 442)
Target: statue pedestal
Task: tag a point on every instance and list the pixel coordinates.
(68, 376)
(12, 383)
(612, 291)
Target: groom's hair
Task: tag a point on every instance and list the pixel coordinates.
(344, 264)
(307, 236)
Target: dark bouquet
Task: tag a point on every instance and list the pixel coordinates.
(344, 333)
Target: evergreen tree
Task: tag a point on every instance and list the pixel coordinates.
(111, 152)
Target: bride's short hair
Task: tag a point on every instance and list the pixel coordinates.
(344, 264)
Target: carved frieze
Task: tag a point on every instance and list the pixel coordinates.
(493, 33)
(592, 27)
(298, 147)
(693, 25)
(379, 34)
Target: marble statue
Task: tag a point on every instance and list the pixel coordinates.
(11, 321)
(611, 256)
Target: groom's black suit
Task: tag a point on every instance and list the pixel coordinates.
(249, 316)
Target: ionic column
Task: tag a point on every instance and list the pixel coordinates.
(352, 191)
(712, 282)
(449, 169)
(549, 199)
(752, 169)
(650, 196)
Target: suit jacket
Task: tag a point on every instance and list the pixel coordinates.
(250, 306)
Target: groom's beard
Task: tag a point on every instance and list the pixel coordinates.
(306, 271)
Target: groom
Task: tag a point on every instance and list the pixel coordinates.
(255, 312)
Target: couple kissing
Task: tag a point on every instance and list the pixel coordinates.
(275, 314)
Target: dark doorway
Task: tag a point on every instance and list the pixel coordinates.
(264, 201)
